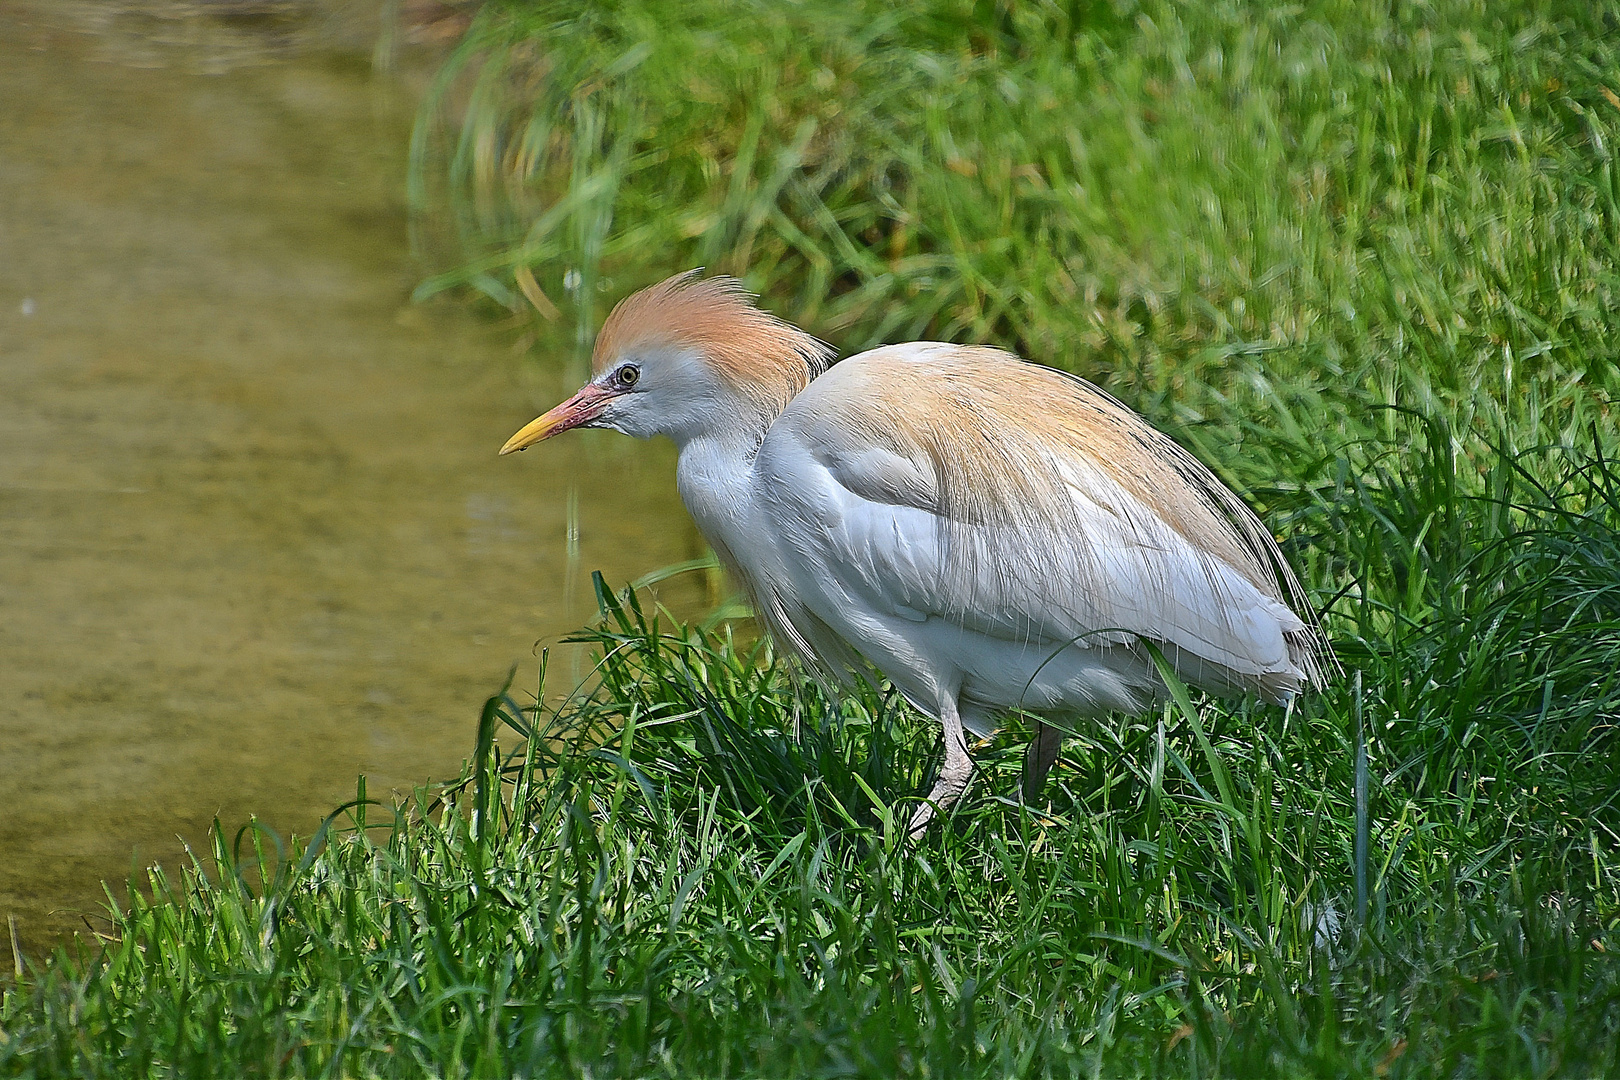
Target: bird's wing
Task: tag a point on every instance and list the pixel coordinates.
(965, 505)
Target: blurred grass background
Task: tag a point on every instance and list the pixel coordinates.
(1361, 258)
(1224, 210)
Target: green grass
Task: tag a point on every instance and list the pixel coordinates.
(1362, 262)
(1225, 210)
(694, 868)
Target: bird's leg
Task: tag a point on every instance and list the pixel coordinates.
(953, 774)
(1039, 759)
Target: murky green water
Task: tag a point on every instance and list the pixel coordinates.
(254, 535)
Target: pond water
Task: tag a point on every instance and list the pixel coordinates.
(254, 535)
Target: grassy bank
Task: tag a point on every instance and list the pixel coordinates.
(1362, 262)
(1280, 213)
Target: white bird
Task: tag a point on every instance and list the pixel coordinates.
(987, 533)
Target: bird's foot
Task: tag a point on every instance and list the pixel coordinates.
(953, 774)
(953, 780)
(919, 821)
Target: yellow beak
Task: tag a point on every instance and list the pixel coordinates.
(577, 411)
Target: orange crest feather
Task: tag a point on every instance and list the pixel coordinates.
(760, 355)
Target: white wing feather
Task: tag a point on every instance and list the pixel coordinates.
(869, 544)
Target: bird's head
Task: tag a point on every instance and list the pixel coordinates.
(686, 358)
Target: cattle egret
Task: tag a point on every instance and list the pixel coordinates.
(987, 533)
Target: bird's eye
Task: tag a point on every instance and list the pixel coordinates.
(627, 375)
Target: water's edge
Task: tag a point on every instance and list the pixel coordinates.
(254, 537)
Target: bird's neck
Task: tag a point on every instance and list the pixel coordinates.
(715, 476)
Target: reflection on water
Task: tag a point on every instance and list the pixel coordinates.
(254, 535)
(215, 36)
